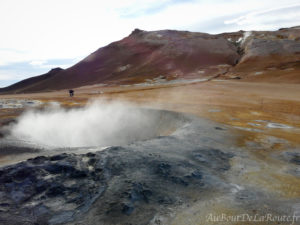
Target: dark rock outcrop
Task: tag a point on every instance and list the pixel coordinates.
(117, 184)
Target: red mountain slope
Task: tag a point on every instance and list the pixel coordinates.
(142, 55)
(257, 55)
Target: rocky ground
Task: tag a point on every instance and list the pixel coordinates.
(131, 183)
(146, 182)
(236, 154)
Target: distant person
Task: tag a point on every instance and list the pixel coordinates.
(71, 92)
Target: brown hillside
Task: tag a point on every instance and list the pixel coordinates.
(269, 56)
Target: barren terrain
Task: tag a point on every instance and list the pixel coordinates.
(261, 122)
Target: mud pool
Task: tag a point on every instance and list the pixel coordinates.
(188, 168)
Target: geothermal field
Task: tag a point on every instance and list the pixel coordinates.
(179, 128)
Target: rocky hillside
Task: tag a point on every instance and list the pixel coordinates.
(173, 55)
(269, 56)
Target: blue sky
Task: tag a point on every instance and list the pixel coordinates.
(39, 35)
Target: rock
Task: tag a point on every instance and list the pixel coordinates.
(42, 179)
(292, 157)
(127, 209)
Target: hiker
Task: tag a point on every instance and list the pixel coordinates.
(71, 92)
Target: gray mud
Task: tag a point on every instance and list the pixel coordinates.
(130, 184)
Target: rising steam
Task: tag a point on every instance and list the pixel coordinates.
(246, 35)
(97, 124)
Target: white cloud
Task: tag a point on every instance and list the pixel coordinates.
(44, 64)
(38, 62)
(51, 66)
(10, 55)
(274, 17)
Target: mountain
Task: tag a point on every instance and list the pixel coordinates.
(256, 55)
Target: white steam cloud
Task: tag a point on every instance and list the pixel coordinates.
(245, 36)
(97, 124)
